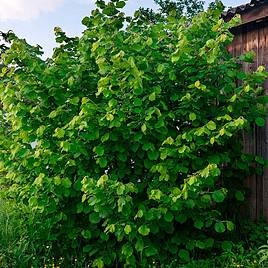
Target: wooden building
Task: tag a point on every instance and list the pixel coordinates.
(252, 35)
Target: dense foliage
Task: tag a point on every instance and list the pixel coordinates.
(125, 146)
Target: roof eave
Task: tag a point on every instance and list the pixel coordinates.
(243, 10)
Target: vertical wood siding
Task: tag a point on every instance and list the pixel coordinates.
(256, 141)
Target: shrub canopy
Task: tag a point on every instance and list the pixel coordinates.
(127, 141)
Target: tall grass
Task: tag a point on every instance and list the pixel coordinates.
(16, 250)
(18, 231)
(263, 252)
(14, 244)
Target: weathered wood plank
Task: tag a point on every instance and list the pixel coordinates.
(250, 43)
(252, 34)
(263, 60)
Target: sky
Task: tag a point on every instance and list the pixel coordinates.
(35, 20)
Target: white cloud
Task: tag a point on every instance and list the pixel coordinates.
(84, 2)
(26, 9)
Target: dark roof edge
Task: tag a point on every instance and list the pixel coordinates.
(243, 8)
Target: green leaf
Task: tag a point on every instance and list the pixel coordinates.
(239, 196)
(102, 162)
(86, 21)
(184, 255)
(168, 217)
(227, 246)
(172, 76)
(199, 224)
(79, 207)
(214, 159)
(139, 214)
(138, 91)
(92, 135)
(40, 131)
(102, 180)
(143, 128)
(98, 263)
(120, 189)
(248, 57)
(144, 230)
(260, 122)
(105, 137)
(181, 218)
(212, 140)
(109, 117)
(127, 250)
(197, 84)
(53, 114)
(230, 226)
(218, 196)
(155, 195)
(59, 133)
(160, 68)
(86, 234)
(65, 145)
(209, 242)
(33, 201)
(152, 96)
(169, 141)
(233, 98)
(219, 227)
(66, 183)
(139, 246)
(99, 150)
(192, 116)
(150, 251)
(120, 4)
(112, 103)
(153, 155)
(94, 218)
(121, 203)
(200, 244)
(149, 41)
(75, 100)
(104, 236)
(148, 146)
(211, 125)
(39, 180)
(109, 11)
(137, 102)
(127, 229)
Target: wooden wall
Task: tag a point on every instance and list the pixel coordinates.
(254, 37)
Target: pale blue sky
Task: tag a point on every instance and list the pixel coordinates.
(36, 19)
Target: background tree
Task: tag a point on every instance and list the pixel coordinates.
(187, 8)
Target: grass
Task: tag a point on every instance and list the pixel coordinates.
(16, 250)
(13, 238)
